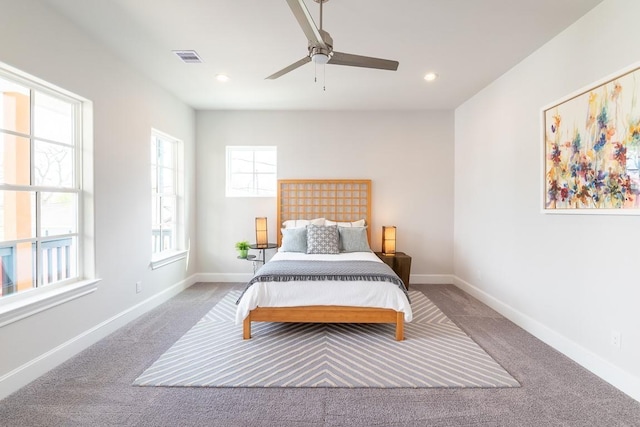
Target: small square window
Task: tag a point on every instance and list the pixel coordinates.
(251, 171)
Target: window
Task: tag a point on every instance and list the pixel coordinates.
(40, 186)
(166, 179)
(251, 171)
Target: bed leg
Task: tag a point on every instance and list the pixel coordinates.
(246, 327)
(400, 326)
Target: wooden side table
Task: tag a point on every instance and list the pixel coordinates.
(400, 263)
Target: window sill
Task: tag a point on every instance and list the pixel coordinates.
(168, 258)
(45, 300)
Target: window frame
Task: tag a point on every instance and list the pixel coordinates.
(19, 305)
(178, 251)
(230, 192)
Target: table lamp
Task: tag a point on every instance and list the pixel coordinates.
(262, 237)
(388, 239)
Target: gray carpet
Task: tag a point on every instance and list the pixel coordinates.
(435, 353)
(94, 388)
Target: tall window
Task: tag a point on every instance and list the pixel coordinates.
(40, 188)
(251, 171)
(165, 195)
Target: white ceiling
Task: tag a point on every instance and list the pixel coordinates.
(469, 43)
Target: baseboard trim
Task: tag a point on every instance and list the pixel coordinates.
(619, 378)
(24, 374)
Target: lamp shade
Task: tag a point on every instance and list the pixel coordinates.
(388, 240)
(262, 237)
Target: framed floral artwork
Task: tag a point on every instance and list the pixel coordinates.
(592, 148)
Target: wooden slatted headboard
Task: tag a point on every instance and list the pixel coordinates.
(341, 200)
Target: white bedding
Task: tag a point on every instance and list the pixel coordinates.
(352, 293)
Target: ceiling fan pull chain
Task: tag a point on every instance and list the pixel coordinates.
(315, 72)
(324, 78)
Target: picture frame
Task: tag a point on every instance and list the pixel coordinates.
(591, 148)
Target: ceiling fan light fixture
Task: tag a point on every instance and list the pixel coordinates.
(222, 78)
(320, 58)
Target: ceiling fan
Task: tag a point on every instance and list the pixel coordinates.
(321, 45)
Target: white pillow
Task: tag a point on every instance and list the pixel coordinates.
(359, 223)
(299, 223)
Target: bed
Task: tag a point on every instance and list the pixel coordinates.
(350, 286)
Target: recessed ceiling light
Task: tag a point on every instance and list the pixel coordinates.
(222, 78)
(430, 77)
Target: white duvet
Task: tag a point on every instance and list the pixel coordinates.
(360, 293)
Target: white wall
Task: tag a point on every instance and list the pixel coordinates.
(407, 155)
(569, 279)
(126, 105)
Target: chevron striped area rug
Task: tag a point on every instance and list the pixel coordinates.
(435, 353)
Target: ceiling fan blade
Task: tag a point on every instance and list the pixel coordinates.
(305, 20)
(289, 68)
(340, 58)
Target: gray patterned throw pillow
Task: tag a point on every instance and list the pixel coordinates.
(323, 239)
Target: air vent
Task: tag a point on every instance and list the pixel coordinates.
(188, 56)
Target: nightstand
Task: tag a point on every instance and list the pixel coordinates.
(261, 258)
(262, 248)
(400, 263)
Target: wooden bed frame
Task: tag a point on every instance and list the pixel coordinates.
(340, 201)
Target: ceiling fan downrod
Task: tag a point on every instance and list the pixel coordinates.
(321, 3)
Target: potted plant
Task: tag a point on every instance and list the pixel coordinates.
(243, 248)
